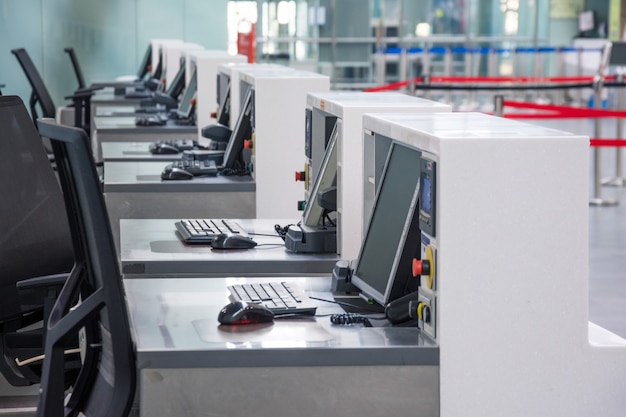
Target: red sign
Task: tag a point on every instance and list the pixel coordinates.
(245, 42)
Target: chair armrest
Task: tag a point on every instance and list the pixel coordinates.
(42, 282)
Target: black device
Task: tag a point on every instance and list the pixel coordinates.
(232, 159)
(183, 113)
(223, 114)
(169, 98)
(242, 131)
(239, 312)
(383, 269)
(151, 120)
(187, 102)
(427, 196)
(146, 63)
(171, 172)
(178, 83)
(317, 233)
(163, 148)
(217, 132)
(186, 169)
(232, 241)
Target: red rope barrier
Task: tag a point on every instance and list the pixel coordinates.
(607, 143)
(496, 80)
(558, 112)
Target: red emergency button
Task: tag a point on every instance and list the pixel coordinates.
(300, 176)
(420, 267)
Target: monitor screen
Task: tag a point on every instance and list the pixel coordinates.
(158, 71)
(586, 21)
(185, 108)
(617, 56)
(146, 63)
(241, 132)
(392, 218)
(178, 83)
(223, 112)
(314, 214)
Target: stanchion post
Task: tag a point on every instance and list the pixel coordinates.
(426, 81)
(618, 180)
(597, 199)
(498, 105)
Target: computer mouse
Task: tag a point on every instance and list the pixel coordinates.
(174, 173)
(239, 312)
(165, 148)
(232, 241)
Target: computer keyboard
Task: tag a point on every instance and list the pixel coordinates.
(279, 297)
(204, 230)
(151, 120)
(196, 167)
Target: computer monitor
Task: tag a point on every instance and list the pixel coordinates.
(586, 21)
(186, 106)
(617, 56)
(158, 70)
(178, 83)
(146, 63)
(382, 272)
(241, 132)
(315, 214)
(223, 112)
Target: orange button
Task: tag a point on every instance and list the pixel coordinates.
(416, 267)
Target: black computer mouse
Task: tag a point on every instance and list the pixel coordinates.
(232, 241)
(165, 148)
(239, 312)
(173, 173)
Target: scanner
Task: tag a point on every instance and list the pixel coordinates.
(315, 239)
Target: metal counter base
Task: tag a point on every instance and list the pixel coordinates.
(345, 391)
(151, 248)
(189, 365)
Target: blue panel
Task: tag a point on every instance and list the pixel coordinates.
(160, 19)
(101, 32)
(20, 27)
(205, 23)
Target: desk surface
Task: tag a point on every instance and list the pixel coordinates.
(150, 247)
(133, 151)
(123, 111)
(126, 125)
(175, 326)
(107, 97)
(146, 177)
(292, 367)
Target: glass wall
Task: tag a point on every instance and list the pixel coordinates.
(109, 37)
(352, 40)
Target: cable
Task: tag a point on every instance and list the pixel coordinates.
(282, 230)
(341, 303)
(228, 172)
(348, 319)
(262, 234)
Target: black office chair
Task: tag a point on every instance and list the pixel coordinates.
(106, 383)
(39, 94)
(76, 66)
(81, 98)
(36, 252)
